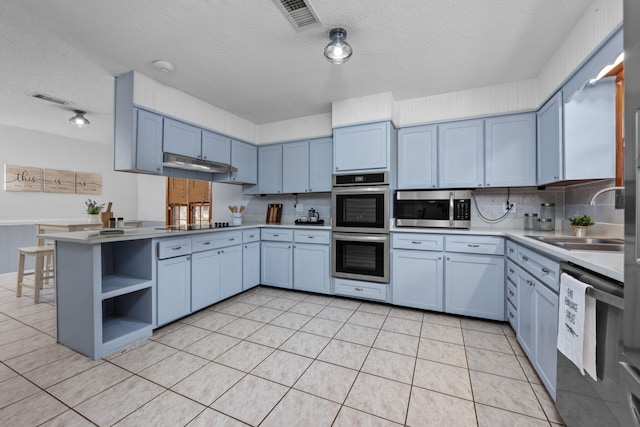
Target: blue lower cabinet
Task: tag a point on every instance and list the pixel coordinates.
(250, 265)
(230, 271)
(205, 273)
(418, 279)
(311, 268)
(174, 289)
(475, 285)
(276, 264)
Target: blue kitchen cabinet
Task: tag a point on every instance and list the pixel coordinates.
(526, 311)
(148, 147)
(320, 164)
(181, 138)
(174, 289)
(461, 154)
(362, 147)
(205, 273)
(276, 259)
(250, 265)
(418, 279)
(295, 167)
(311, 268)
(230, 278)
(546, 336)
(216, 147)
(510, 150)
(244, 157)
(270, 169)
(550, 150)
(418, 157)
(474, 285)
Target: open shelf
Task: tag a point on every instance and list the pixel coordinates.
(114, 285)
(126, 316)
(117, 327)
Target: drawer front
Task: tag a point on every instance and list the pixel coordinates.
(417, 241)
(276, 234)
(364, 290)
(252, 235)
(208, 241)
(512, 316)
(312, 236)
(544, 269)
(512, 293)
(512, 271)
(487, 245)
(512, 250)
(169, 248)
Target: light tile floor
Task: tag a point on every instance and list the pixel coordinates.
(273, 357)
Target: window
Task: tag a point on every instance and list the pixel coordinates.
(188, 201)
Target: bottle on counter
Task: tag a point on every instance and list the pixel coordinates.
(120, 223)
(530, 221)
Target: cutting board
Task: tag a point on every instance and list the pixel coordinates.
(274, 212)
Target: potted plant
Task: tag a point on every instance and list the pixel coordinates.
(93, 210)
(580, 223)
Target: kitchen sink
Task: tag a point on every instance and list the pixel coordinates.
(583, 243)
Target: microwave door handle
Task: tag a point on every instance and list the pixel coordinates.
(451, 209)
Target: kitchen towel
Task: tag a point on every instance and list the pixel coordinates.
(577, 324)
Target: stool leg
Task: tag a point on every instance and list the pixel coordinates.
(20, 275)
(37, 286)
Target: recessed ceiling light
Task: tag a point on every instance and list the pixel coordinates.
(164, 66)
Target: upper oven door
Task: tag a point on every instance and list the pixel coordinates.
(360, 209)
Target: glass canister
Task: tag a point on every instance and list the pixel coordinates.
(545, 224)
(548, 213)
(530, 221)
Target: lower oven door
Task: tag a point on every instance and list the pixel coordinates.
(361, 256)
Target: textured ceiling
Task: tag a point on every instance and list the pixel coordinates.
(245, 57)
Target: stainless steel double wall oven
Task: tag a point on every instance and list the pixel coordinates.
(360, 208)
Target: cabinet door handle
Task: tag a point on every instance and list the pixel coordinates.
(289, 247)
(206, 243)
(246, 247)
(439, 258)
(530, 282)
(511, 250)
(524, 258)
(511, 315)
(416, 243)
(158, 169)
(473, 246)
(511, 293)
(448, 259)
(359, 289)
(189, 258)
(545, 270)
(511, 270)
(176, 248)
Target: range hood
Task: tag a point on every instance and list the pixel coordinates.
(177, 161)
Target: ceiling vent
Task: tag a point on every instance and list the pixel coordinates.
(50, 98)
(298, 12)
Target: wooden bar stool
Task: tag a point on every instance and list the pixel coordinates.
(42, 271)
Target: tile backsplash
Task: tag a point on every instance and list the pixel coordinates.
(257, 206)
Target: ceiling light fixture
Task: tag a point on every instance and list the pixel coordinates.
(338, 51)
(79, 120)
(164, 66)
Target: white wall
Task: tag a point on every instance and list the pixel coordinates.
(22, 147)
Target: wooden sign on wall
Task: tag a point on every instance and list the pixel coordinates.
(58, 181)
(22, 178)
(88, 183)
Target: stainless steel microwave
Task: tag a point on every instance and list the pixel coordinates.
(433, 208)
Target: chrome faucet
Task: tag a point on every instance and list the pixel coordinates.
(604, 190)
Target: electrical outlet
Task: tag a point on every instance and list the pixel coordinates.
(506, 209)
(299, 208)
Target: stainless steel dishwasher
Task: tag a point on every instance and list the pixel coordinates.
(580, 400)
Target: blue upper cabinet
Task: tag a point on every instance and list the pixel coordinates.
(362, 147)
(245, 158)
(295, 167)
(215, 147)
(461, 154)
(270, 169)
(510, 150)
(148, 146)
(418, 157)
(182, 138)
(320, 164)
(549, 126)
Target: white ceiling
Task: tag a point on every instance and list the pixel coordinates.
(245, 57)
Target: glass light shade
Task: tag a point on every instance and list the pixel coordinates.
(338, 51)
(79, 120)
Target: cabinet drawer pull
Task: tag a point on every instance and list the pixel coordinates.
(524, 258)
(206, 243)
(359, 289)
(545, 271)
(473, 246)
(176, 248)
(310, 237)
(276, 235)
(251, 235)
(416, 243)
(231, 239)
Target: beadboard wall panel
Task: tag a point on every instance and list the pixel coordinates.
(315, 126)
(157, 96)
(372, 108)
(601, 19)
(486, 101)
(13, 237)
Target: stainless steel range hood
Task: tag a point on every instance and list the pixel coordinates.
(177, 161)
